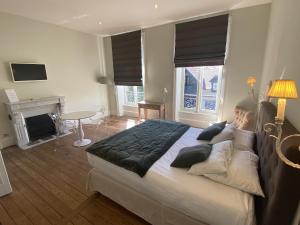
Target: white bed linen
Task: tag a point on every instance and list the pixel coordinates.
(195, 196)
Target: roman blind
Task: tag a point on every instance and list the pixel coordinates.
(201, 42)
(127, 59)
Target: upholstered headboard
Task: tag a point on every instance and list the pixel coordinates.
(280, 182)
(243, 118)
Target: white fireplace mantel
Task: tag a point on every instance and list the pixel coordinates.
(20, 110)
(34, 107)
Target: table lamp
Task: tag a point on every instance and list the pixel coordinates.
(283, 90)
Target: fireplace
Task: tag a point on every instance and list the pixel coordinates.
(40, 127)
(31, 121)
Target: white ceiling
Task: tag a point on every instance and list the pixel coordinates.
(117, 16)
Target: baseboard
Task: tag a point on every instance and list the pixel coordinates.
(8, 141)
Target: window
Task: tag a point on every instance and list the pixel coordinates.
(201, 88)
(133, 95)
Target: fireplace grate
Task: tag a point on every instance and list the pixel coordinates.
(40, 127)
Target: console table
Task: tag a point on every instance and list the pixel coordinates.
(160, 107)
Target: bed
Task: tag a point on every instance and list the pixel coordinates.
(167, 195)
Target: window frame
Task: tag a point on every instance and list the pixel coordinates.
(124, 97)
(197, 109)
(135, 94)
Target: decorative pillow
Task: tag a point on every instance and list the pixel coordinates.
(217, 162)
(226, 134)
(191, 155)
(208, 133)
(241, 174)
(243, 139)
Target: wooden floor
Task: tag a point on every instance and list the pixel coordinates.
(49, 181)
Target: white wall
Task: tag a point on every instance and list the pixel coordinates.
(109, 72)
(248, 34)
(282, 54)
(249, 28)
(282, 51)
(246, 44)
(158, 48)
(71, 59)
(159, 66)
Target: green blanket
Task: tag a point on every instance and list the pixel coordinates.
(137, 148)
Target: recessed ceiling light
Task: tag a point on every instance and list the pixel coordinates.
(156, 5)
(100, 23)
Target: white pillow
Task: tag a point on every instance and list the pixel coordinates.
(243, 139)
(217, 161)
(226, 134)
(241, 174)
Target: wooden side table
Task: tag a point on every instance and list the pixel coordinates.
(160, 107)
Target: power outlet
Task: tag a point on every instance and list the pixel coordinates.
(4, 135)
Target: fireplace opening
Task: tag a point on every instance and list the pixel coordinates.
(39, 127)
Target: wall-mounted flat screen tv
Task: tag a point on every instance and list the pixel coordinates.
(28, 72)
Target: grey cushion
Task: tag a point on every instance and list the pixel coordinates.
(189, 156)
(208, 133)
(226, 134)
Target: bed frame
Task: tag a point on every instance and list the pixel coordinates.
(280, 183)
(136, 202)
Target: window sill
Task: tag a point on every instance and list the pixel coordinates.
(199, 113)
(132, 106)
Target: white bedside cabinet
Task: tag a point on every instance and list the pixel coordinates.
(5, 187)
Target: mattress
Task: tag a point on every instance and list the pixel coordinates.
(194, 196)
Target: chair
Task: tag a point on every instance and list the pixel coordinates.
(61, 127)
(99, 120)
(56, 120)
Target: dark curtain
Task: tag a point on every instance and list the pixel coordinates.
(127, 59)
(201, 42)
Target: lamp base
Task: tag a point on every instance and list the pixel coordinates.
(278, 121)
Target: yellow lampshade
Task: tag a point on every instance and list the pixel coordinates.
(251, 81)
(283, 89)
